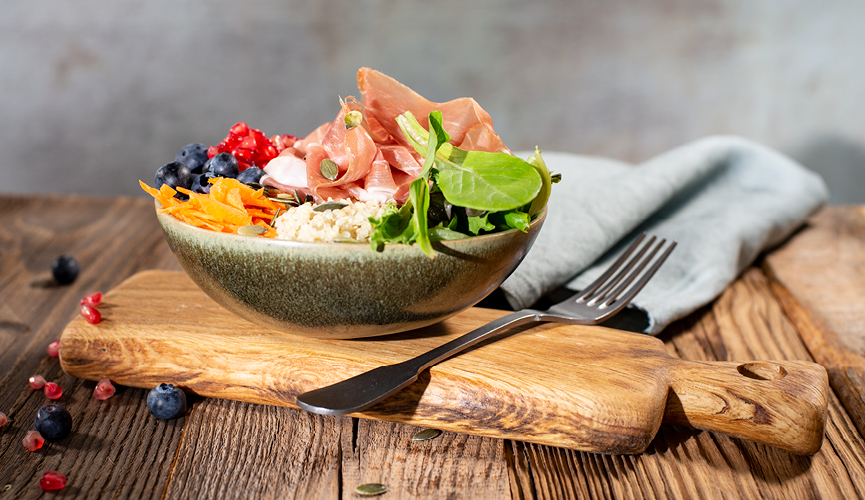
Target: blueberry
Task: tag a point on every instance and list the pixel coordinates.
(166, 402)
(53, 422)
(250, 175)
(200, 184)
(223, 165)
(175, 174)
(193, 156)
(65, 269)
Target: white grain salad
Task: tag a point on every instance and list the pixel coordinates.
(303, 223)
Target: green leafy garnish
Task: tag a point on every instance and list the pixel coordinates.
(504, 191)
(476, 179)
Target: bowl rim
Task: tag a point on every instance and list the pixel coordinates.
(535, 223)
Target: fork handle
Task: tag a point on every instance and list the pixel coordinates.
(363, 391)
(779, 403)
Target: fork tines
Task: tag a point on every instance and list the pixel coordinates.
(624, 271)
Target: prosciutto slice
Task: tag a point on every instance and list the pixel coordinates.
(374, 159)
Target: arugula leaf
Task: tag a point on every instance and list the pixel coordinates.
(407, 225)
(477, 179)
(480, 223)
(394, 226)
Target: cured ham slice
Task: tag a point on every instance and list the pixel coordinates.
(374, 159)
(467, 123)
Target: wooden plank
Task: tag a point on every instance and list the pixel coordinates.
(116, 446)
(819, 278)
(747, 322)
(451, 465)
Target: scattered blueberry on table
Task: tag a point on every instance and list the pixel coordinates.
(166, 402)
(53, 422)
(65, 269)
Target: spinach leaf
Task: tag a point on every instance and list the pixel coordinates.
(543, 196)
(477, 179)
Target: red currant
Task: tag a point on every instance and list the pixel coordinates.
(53, 349)
(91, 314)
(52, 390)
(33, 440)
(52, 480)
(37, 381)
(92, 300)
(104, 389)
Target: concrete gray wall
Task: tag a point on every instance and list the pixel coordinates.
(95, 95)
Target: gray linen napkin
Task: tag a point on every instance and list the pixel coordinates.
(724, 199)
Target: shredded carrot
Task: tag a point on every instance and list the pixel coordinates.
(230, 205)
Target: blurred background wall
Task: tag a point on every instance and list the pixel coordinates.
(95, 95)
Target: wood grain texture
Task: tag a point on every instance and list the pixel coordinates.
(819, 278)
(745, 323)
(119, 451)
(580, 387)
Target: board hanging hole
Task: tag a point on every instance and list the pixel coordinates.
(762, 371)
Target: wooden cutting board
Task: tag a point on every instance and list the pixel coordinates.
(587, 388)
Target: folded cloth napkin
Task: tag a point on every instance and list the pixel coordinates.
(724, 199)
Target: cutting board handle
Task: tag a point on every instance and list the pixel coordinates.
(780, 403)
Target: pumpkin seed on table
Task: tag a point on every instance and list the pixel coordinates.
(251, 230)
(426, 434)
(371, 489)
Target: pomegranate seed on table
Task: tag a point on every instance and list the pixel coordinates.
(104, 389)
(53, 349)
(92, 300)
(33, 440)
(52, 480)
(37, 381)
(52, 390)
(3, 419)
(91, 314)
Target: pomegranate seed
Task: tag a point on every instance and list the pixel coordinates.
(240, 129)
(52, 480)
(33, 440)
(37, 381)
(91, 314)
(248, 142)
(104, 389)
(214, 150)
(3, 419)
(53, 349)
(52, 390)
(92, 300)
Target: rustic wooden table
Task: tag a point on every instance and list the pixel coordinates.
(804, 300)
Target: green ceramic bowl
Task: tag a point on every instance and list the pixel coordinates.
(344, 290)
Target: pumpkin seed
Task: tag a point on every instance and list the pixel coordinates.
(371, 489)
(426, 435)
(251, 230)
(329, 205)
(286, 201)
(329, 169)
(273, 220)
(352, 119)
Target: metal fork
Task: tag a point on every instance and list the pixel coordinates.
(596, 303)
